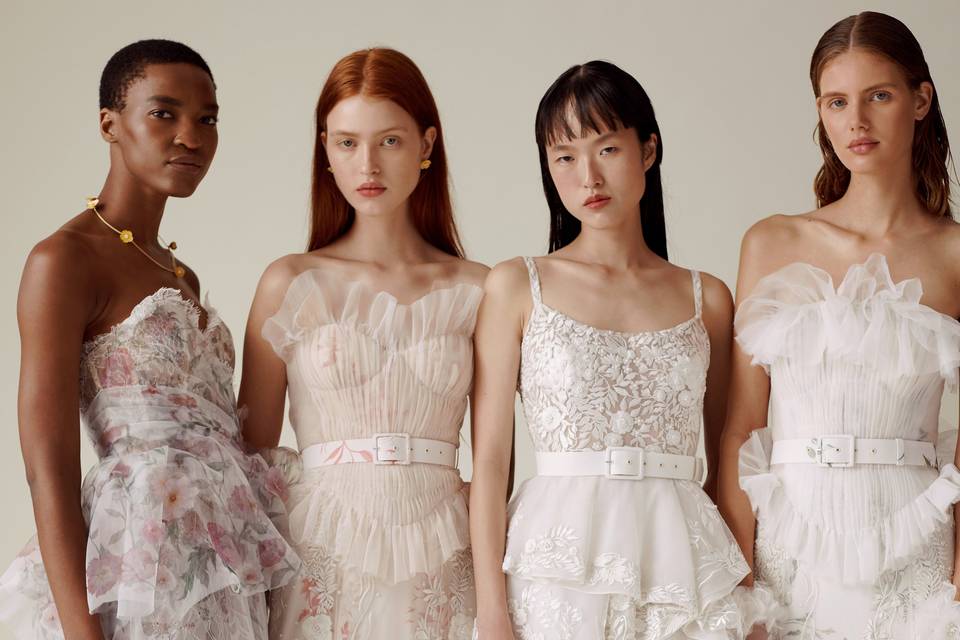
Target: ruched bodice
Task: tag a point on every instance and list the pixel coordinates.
(361, 363)
(864, 358)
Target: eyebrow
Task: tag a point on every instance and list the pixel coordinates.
(603, 138)
(341, 132)
(882, 85)
(173, 102)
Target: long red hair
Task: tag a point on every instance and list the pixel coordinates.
(388, 74)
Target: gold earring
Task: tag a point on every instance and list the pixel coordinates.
(330, 169)
(425, 165)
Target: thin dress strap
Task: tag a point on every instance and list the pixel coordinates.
(697, 292)
(534, 279)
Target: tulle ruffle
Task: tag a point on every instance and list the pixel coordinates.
(850, 556)
(313, 301)
(662, 542)
(393, 524)
(868, 319)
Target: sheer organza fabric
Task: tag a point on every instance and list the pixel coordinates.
(862, 550)
(185, 529)
(386, 548)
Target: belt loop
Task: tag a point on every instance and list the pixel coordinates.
(901, 452)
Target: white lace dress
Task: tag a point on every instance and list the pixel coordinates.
(182, 542)
(591, 557)
(385, 548)
(866, 551)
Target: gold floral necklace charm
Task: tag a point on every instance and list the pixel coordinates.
(126, 237)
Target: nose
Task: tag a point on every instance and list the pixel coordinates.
(188, 135)
(592, 177)
(858, 116)
(369, 164)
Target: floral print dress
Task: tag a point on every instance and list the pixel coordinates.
(385, 548)
(182, 542)
(589, 557)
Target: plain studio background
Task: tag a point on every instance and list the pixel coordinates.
(728, 81)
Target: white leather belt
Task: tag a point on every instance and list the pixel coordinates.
(847, 450)
(382, 448)
(623, 463)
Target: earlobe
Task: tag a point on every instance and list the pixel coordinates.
(924, 98)
(650, 152)
(429, 137)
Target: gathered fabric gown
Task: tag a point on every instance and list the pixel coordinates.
(183, 538)
(863, 551)
(592, 557)
(385, 548)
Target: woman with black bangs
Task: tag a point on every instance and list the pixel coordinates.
(620, 355)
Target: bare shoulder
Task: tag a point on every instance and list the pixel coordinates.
(716, 293)
(508, 279)
(949, 234)
(278, 275)
(472, 272)
(59, 279)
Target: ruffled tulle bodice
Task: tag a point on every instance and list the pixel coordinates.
(360, 363)
(175, 510)
(864, 358)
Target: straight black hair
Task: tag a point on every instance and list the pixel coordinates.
(601, 97)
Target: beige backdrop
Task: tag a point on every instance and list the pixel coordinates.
(728, 80)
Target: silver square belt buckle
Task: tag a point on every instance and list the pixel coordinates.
(624, 463)
(836, 451)
(392, 448)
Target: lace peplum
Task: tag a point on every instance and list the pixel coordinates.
(655, 548)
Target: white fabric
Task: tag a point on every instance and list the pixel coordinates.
(385, 547)
(620, 463)
(852, 552)
(591, 557)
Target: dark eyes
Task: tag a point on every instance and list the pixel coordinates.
(163, 114)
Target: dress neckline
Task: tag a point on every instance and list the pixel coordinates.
(882, 270)
(139, 310)
(439, 286)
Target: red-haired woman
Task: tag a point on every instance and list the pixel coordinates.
(849, 314)
(370, 332)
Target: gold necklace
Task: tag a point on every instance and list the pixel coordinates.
(126, 237)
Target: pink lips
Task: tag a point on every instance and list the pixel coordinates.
(371, 189)
(861, 146)
(596, 202)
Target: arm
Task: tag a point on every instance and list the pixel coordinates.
(746, 411)
(718, 319)
(263, 386)
(497, 358)
(56, 301)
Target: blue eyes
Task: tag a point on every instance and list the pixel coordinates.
(876, 96)
(390, 141)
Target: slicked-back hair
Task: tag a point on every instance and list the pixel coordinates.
(890, 38)
(596, 97)
(130, 63)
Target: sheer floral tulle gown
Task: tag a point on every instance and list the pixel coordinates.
(385, 547)
(592, 557)
(862, 550)
(182, 541)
